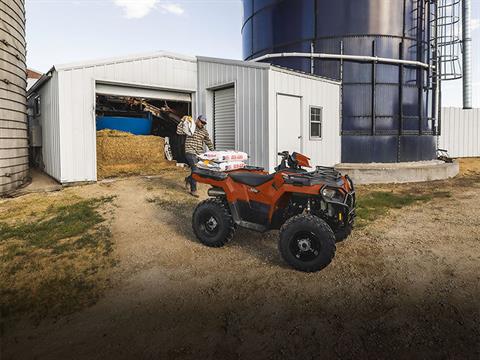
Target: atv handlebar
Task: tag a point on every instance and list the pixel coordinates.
(287, 161)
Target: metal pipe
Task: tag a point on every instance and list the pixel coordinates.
(344, 57)
(216, 192)
(312, 59)
(374, 90)
(467, 53)
(436, 79)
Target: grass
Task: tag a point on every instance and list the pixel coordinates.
(52, 262)
(375, 204)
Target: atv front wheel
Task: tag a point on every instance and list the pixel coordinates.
(342, 234)
(307, 243)
(212, 223)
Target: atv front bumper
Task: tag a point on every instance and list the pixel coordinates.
(344, 212)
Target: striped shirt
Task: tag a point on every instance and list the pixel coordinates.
(196, 144)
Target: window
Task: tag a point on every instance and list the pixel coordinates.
(36, 106)
(316, 123)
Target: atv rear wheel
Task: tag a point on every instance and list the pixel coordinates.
(307, 243)
(212, 223)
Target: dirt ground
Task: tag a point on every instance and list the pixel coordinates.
(406, 286)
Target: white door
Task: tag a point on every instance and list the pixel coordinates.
(289, 123)
(224, 119)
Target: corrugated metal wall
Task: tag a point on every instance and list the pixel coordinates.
(314, 92)
(68, 106)
(460, 132)
(224, 118)
(256, 87)
(73, 158)
(251, 108)
(13, 83)
(49, 120)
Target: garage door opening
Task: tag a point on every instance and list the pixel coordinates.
(133, 132)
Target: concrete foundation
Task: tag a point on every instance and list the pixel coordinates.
(399, 172)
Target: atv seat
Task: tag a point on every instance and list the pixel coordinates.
(251, 179)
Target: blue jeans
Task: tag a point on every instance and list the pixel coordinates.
(192, 160)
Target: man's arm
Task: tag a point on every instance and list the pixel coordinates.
(180, 128)
(208, 142)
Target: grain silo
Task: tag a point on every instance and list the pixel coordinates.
(13, 110)
(383, 51)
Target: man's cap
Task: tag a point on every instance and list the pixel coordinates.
(203, 118)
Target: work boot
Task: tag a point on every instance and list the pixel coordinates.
(187, 185)
(194, 194)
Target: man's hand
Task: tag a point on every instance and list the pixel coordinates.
(180, 128)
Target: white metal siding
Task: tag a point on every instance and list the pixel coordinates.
(314, 92)
(224, 118)
(460, 132)
(68, 106)
(251, 107)
(50, 123)
(77, 152)
(257, 86)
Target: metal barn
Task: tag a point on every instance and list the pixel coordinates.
(253, 107)
(271, 109)
(67, 96)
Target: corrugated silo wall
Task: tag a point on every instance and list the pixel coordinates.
(387, 109)
(13, 110)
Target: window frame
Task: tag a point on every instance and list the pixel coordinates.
(37, 105)
(311, 121)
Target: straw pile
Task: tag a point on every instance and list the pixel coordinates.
(123, 154)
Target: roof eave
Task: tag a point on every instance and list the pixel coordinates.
(40, 82)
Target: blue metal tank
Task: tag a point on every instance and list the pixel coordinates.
(387, 108)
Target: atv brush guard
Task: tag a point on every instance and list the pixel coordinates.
(312, 209)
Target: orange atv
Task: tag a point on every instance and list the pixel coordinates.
(313, 210)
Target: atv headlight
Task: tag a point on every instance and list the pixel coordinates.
(329, 193)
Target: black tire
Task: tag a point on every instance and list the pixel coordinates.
(307, 243)
(342, 234)
(217, 232)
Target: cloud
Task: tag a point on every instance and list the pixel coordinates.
(475, 24)
(137, 9)
(172, 8)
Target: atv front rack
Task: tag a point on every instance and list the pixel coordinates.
(321, 175)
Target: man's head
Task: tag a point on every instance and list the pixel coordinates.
(201, 121)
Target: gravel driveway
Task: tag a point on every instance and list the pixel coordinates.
(406, 286)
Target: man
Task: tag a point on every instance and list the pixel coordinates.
(194, 146)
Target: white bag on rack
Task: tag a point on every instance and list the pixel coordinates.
(220, 166)
(189, 125)
(224, 156)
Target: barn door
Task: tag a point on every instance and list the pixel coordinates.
(224, 118)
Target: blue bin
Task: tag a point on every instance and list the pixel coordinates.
(136, 126)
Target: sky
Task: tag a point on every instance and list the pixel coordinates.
(65, 31)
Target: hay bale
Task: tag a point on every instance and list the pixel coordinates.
(122, 154)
